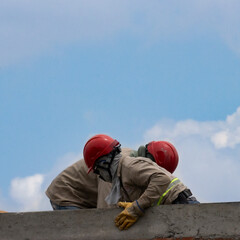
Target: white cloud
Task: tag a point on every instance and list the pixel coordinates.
(27, 192)
(30, 28)
(228, 134)
(220, 133)
(220, 139)
(209, 155)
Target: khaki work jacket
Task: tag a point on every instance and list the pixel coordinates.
(74, 187)
(143, 180)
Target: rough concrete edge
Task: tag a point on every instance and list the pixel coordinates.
(158, 223)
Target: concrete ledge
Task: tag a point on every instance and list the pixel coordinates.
(203, 221)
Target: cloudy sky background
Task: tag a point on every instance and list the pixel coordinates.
(136, 70)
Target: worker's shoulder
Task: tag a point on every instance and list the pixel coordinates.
(126, 151)
(137, 161)
(79, 165)
(79, 170)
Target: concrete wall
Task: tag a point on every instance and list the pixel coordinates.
(203, 221)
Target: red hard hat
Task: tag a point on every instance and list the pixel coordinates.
(96, 147)
(165, 154)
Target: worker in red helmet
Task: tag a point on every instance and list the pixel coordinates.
(161, 152)
(74, 188)
(137, 182)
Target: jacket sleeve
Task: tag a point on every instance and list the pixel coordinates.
(150, 177)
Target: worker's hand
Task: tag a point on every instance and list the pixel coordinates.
(125, 219)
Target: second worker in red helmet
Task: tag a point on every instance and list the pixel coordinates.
(137, 182)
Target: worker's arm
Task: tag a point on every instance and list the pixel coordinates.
(146, 175)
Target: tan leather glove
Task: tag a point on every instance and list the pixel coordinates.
(125, 219)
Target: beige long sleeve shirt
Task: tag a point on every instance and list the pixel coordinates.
(143, 180)
(74, 187)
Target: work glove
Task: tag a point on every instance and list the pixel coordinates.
(127, 217)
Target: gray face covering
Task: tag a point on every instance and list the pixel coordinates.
(105, 175)
(109, 174)
(115, 194)
(106, 167)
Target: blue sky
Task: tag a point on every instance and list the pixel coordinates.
(136, 70)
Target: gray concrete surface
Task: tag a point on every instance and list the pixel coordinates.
(208, 221)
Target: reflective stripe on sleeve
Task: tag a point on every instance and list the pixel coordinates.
(174, 182)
